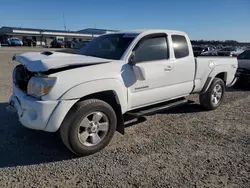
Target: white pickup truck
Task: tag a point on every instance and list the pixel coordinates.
(85, 96)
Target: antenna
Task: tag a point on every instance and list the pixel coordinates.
(64, 25)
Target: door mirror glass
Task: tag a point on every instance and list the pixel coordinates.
(139, 73)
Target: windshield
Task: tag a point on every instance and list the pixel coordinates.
(108, 46)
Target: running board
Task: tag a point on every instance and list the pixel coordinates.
(158, 107)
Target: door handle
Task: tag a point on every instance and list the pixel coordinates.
(168, 68)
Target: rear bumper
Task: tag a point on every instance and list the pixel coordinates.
(37, 114)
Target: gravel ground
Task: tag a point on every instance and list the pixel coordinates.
(183, 147)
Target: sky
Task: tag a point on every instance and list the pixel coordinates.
(201, 19)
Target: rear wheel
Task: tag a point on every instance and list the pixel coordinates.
(88, 127)
(213, 97)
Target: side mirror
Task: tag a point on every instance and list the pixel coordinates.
(140, 73)
(131, 60)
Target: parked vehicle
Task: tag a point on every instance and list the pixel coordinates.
(78, 44)
(14, 42)
(243, 71)
(29, 42)
(229, 51)
(197, 50)
(67, 44)
(207, 51)
(137, 73)
(58, 42)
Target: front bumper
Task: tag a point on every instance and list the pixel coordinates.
(38, 114)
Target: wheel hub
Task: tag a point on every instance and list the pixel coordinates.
(93, 127)
(216, 95)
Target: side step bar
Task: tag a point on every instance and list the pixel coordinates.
(157, 108)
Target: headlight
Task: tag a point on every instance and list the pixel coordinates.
(39, 86)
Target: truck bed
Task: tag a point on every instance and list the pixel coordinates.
(204, 63)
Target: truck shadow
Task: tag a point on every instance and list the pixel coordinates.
(184, 109)
(21, 146)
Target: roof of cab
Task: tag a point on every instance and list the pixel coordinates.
(149, 31)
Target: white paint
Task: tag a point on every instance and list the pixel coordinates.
(87, 88)
(58, 115)
(36, 61)
(32, 113)
(160, 80)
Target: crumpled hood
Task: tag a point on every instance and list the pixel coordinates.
(44, 61)
(244, 63)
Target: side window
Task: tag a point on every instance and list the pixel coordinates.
(180, 46)
(152, 49)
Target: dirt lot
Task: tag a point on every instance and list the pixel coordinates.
(183, 147)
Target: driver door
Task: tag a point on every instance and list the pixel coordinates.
(151, 55)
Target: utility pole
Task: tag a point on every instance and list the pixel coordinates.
(64, 24)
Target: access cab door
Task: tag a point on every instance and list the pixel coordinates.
(167, 73)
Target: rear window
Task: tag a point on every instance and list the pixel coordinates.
(180, 46)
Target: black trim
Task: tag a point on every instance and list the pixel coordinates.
(120, 120)
(152, 109)
(142, 87)
(51, 71)
(206, 84)
(47, 53)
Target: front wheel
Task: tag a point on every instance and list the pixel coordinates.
(213, 97)
(88, 127)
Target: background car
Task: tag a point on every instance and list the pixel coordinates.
(230, 51)
(14, 42)
(29, 42)
(204, 51)
(209, 51)
(197, 50)
(243, 71)
(57, 43)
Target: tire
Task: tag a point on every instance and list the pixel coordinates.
(78, 130)
(207, 99)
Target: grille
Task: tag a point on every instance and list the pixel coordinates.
(21, 77)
